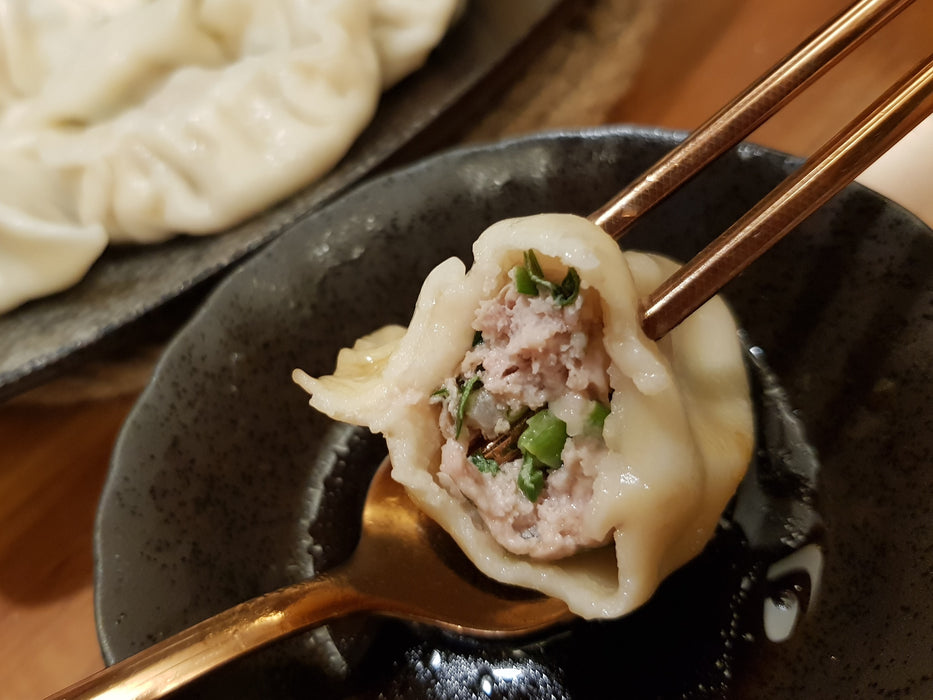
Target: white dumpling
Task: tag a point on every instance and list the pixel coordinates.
(405, 31)
(147, 119)
(679, 435)
(38, 236)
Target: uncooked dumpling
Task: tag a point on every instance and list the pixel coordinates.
(135, 120)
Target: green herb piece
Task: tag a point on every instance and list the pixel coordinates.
(486, 466)
(477, 338)
(465, 392)
(530, 278)
(441, 391)
(533, 268)
(523, 282)
(596, 419)
(568, 290)
(544, 438)
(530, 478)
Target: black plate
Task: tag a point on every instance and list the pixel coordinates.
(224, 484)
(95, 318)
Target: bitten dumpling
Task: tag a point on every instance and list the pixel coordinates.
(528, 414)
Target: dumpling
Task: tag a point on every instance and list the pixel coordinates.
(133, 121)
(405, 31)
(528, 414)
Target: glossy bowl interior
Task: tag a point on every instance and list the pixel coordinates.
(224, 484)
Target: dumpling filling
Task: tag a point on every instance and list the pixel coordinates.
(523, 419)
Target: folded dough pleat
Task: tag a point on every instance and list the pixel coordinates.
(187, 116)
(38, 239)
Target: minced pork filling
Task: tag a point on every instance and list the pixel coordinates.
(523, 418)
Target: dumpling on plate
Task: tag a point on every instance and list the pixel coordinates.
(136, 120)
(528, 414)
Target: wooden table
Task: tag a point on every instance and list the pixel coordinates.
(695, 56)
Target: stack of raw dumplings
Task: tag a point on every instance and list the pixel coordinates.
(134, 120)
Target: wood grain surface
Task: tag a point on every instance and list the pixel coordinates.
(670, 63)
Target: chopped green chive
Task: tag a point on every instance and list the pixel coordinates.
(441, 391)
(544, 438)
(596, 419)
(568, 290)
(535, 273)
(465, 391)
(486, 466)
(523, 282)
(530, 278)
(530, 478)
(533, 266)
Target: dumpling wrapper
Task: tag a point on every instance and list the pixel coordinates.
(680, 431)
(133, 121)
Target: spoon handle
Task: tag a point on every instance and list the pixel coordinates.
(193, 652)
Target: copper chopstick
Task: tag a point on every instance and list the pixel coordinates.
(823, 49)
(824, 174)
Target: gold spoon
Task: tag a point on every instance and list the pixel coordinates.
(396, 536)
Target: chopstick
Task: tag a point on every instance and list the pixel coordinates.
(822, 176)
(747, 111)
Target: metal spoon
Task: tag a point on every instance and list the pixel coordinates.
(396, 536)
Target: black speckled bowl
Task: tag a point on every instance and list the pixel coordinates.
(224, 484)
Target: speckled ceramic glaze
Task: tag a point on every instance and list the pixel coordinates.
(225, 484)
